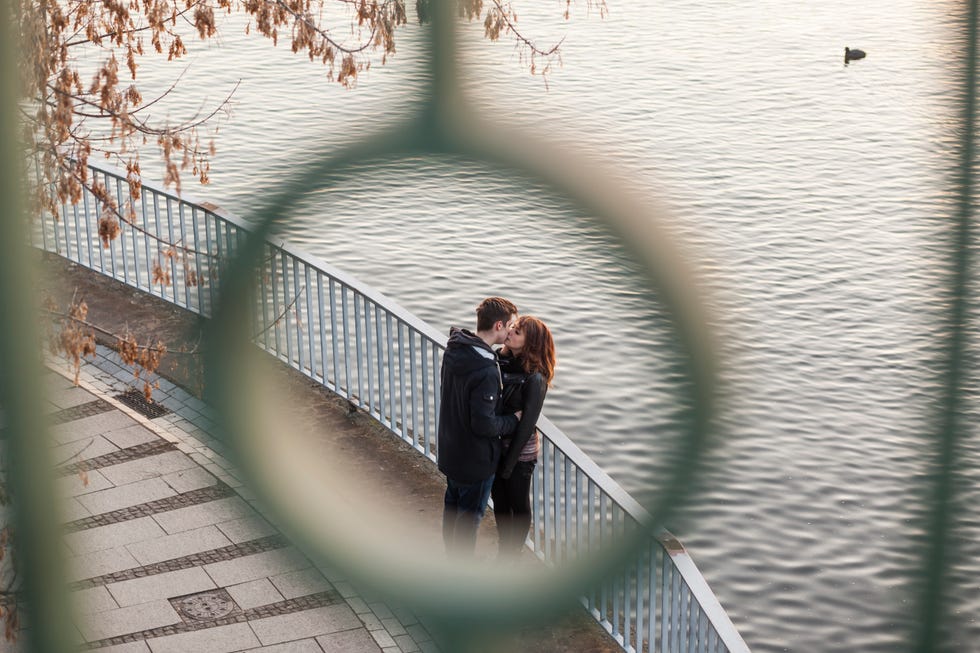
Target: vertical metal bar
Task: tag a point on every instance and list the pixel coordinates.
(54, 230)
(391, 377)
(184, 246)
(156, 233)
(213, 262)
(413, 373)
(639, 603)
(591, 534)
(436, 383)
(702, 640)
(267, 325)
(665, 603)
(197, 249)
(322, 306)
(379, 343)
(136, 248)
(54, 226)
(297, 317)
(276, 313)
(652, 598)
(334, 335)
(88, 230)
(346, 320)
(170, 244)
(603, 536)
(569, 503)
(106, 209)
(579, 514)
(368, 362)
(546, 500)
(310, 342)
(402, 389)
(78, 235)
(536, 509)
(426, 433)
(688, 606)
(289, 298)
(357, 345)
(677, 613)
(557, 493)
(615, 581)
(122, 237)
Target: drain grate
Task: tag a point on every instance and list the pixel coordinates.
(205, 606)
(135, 400)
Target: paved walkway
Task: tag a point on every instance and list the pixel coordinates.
(168, 551)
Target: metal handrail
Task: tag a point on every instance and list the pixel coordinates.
(365, 347)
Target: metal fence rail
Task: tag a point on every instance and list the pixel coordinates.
(367, 349)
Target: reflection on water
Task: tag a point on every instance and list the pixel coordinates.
(813, 199)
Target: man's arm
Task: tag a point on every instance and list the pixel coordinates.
(484, 420)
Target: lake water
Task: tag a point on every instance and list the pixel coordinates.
(814, 199)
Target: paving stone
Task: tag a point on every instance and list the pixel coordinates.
(246, 528)
(383, 639)
(130, 619)
(69, 396)
(254, 593)
(381, 610)
(149, 467)
(406, 643)
(160, 586)
(393, 626)
(309, 623)
(205, 514)
(75, 485)
(349, 641)
(73, 452)
(187, 413)
(168, 547)
(253, 567)
(126, 496)
(88, 427)
(93, 600)
(166, 386)
(198, 405)
(298, 646)
(418, 633)
(370, 621)
(114, 535)
(302, 582)
(131, 436)
(190, 479)
(71, 509)
(128, 647)
(99, 563)
(222, 639)
(429, 647)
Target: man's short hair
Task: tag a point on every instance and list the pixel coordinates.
(492, 310)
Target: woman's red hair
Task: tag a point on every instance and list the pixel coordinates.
(538, 353)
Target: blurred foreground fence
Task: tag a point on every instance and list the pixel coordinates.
(367, 349)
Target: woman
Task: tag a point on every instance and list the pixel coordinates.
(527, 364)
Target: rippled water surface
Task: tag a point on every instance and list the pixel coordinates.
(813, 198)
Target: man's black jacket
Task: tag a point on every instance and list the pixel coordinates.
(469, 426)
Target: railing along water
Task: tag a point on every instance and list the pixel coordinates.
(364, 347)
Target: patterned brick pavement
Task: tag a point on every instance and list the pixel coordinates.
(168, 549)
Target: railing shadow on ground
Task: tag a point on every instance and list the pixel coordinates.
(365, 348)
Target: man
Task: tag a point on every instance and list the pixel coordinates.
(469, 426)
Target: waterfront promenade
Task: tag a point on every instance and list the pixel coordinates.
(170, 551)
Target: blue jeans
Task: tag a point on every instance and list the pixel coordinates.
(464, 507)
